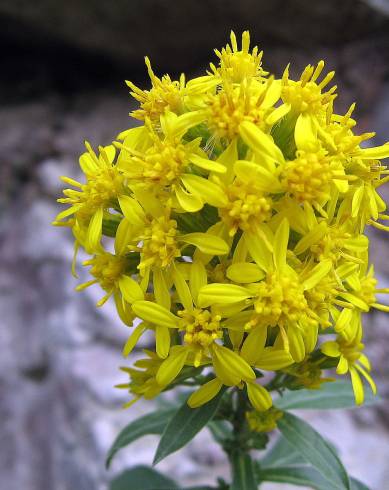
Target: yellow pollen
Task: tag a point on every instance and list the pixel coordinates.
(307, 178)
(247, 207)
(236, 65)
(159, 243)
(352, 352)
(164, 94)
(280, 301)
(201, 328)
(101, 189)
(107, 269)
(229, 107)
(331, 245)
(306, 95)
(163, 163)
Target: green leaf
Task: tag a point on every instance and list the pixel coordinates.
(338, 394)
(142, 478)
(184, 425)
(314, 449)
(301, 476)
(220, 430)
(297, 475)
(152, 423)
(243, 472)
(357, 485)
(282, 454)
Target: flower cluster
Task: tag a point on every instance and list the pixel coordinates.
(237, 212)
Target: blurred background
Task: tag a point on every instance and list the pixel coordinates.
(63, 66)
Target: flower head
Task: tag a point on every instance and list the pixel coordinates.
(231, 226)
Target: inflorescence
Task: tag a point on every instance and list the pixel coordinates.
(237, 212)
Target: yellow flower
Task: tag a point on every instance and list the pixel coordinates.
(164, 94)
(263, 421)
(278, 299)
(307, 374)
(104, 184)
(234, 225)
(306, 95)
(351, 360)
(251, 101)
(142, 381)
(200, 327)
(237, 65)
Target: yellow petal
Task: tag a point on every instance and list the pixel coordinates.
(258, 250)
(312, 237)
(197, 278)
(305, 133)
(264, 180)
(376, 153)
(330, 348)
(343, 320)
(357, 386)
(188, 202)
(254, 344)
(296, 344)
(238, 321)
(278, 114)
(162, 341)
(343, 366)
(357, 201)
(281, 239)
(272, 359)
(205, 393)
(133, 339)
(206, 243)
(186, 121)
(182, 289)
(260, 142)
(259, 397)
(94, 231)
(368, 378)
(124, 234)
(244, 272)
(317, 274)
(205, 189)
(155, 314)
(130, 289)
(222, 294)
(132, 210)
(171, 367)
(354, 300)
(161, 291)
(207, 164)
(232, 364)
(228, 158)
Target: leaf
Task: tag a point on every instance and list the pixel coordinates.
(314, 449)
(184, 425)
(338, 394)
(152, 423)
(281, 454)
(220, 430)
(301, 476)
(297, 475)
(243, 474)
(142, 478)
(357, 485)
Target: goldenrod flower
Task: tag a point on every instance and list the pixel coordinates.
(265, 421)
(351, 360)
(104, 184)
(234, 219)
